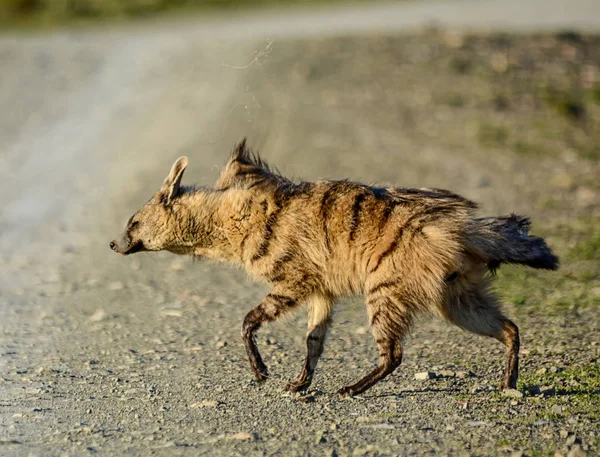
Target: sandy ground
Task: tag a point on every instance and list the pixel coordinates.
(141, 355)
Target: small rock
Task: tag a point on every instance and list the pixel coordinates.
(424, 375)
(446, 374)
(205, 404)
(116, 285)
(576, 451)
(558, 409)
(478, 423)
(333, 427)
(514, 402)
(546, 391)
(464, 374)
(98, 316)
(361, 330)
(476, 390)
(221, 344)
(171, 313)
(541, 371)
(563, 433)
(177, 265)
(512, 393)
(243, 436)
(306, 398)
(556, 370)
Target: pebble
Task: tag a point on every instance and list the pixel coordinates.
(558, 409)
(547, 390)
(478, 423)
(424, 375)
(243, 436)
(563, 433)
(464, 374)
(116, 285)
(512, 393)
(98, 316)
(306, 398)
(576, 451)
(205, 404)
(446, 374)
(221, 344)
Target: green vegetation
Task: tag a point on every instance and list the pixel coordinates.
(577, 389)
(573, 287)
(36, 13)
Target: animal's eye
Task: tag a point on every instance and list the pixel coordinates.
(133, 224)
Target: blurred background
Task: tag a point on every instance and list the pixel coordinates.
(496, 100)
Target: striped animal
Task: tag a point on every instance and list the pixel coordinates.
(408, 251)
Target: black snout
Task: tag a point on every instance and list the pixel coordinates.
(113, 245)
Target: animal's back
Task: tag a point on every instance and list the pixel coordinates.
(353, 234)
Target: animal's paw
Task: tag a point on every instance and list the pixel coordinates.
(297, 386)
(261, 376)
(347, 391)
(260, 371)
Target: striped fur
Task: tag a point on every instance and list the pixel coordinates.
(408, 251)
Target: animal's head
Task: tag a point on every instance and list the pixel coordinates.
(154, 226)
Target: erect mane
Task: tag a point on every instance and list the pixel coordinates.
(245, 167)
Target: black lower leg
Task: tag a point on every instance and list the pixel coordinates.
(390, 357)
(314, 348)
(252, 323)
(270, 309)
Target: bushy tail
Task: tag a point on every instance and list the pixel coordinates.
(498, 240)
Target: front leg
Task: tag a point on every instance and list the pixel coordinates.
(319, 318)
(273, 306)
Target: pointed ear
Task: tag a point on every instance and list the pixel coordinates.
(170, 187)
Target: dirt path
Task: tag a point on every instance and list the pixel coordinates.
(141, 356)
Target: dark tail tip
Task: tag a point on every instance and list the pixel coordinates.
(547, 262)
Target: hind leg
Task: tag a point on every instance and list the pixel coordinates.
(510, 337)
(389, 322)
(479, 312)
(319, 318)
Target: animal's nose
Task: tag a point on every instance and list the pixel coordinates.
(112, 245)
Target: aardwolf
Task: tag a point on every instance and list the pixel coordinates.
(407, 251)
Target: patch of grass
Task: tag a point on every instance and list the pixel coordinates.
(587, 249)
(565, 103)
(527, 148)
(595, 94)
(40, 13)
(492, 135)
(455, 100)
(461, 65)
(569, 288)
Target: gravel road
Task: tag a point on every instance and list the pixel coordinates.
(141, 355)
